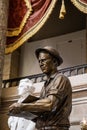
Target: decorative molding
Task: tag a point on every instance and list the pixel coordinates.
(77, 101)
(81, 5)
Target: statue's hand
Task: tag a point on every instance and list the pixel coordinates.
(15, 108)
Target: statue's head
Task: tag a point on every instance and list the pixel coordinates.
(49, 58)
(25, 85)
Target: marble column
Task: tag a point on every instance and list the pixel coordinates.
(86, 40)
(3, 27)
(11, 65)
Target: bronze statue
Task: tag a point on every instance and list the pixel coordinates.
(55, 103)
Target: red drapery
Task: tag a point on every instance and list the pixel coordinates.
(26, 17)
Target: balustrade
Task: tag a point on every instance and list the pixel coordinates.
(70, 71)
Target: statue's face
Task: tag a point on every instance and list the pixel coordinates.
(46, 63)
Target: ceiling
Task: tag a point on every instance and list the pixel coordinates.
(74, 20)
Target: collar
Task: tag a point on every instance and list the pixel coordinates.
(53, 75)
(51, 78)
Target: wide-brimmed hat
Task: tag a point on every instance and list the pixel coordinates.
(52, 52)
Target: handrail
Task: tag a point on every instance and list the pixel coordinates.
(70, 71)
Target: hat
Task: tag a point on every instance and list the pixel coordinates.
(52, 52)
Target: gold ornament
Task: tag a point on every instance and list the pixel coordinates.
(62, 10)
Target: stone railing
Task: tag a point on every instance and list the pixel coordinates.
(70, 71)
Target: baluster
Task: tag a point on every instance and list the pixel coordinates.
(83, 70)
(76, 71)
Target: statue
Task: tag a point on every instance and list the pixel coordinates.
(54, 106)
(21, 122)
